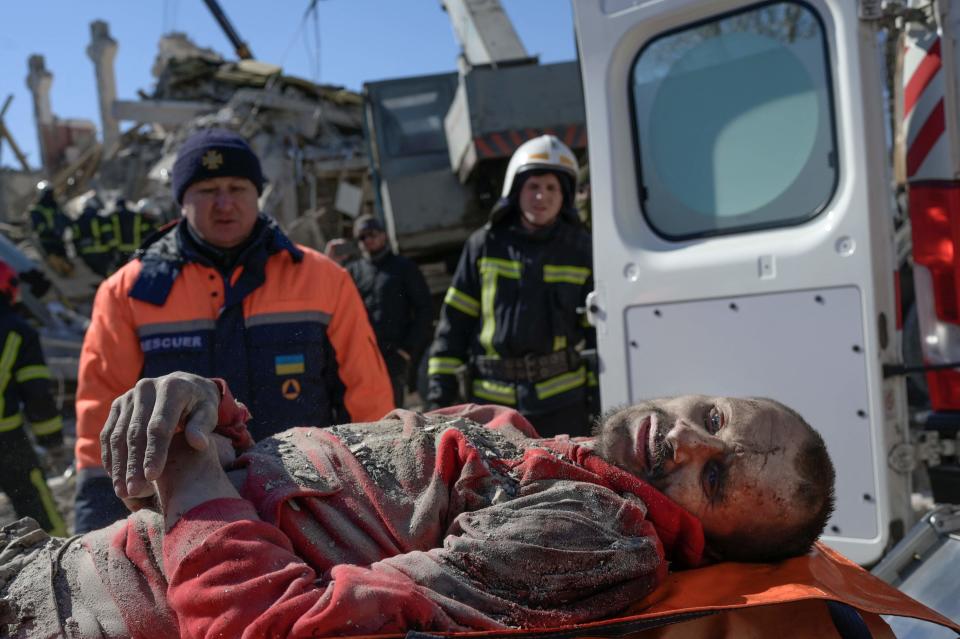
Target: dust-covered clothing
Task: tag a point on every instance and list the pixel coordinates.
(415, 522)
(106, 584)
(421, 522)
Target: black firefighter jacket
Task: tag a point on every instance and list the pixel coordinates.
(515, 293)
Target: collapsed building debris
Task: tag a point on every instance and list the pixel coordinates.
(309, 138)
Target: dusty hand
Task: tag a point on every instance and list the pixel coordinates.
(137, 434)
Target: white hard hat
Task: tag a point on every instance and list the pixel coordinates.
(547, 153)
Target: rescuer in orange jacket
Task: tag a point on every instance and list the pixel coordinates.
(225, 293)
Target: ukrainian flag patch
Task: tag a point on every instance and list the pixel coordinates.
(288, 364)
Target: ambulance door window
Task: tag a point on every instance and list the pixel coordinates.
(733, 123)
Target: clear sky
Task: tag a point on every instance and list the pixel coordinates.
(360, 40)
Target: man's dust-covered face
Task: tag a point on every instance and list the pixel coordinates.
(728, 461)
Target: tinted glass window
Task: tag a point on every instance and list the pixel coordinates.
(734, 123)
(414, 123)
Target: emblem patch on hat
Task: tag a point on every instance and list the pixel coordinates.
(212, 160)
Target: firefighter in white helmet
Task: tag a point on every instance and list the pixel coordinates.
(513, 315)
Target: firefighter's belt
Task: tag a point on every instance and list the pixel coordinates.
(529, 368)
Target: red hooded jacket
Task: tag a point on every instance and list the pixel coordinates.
(421, 522)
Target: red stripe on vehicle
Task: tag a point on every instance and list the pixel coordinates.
(582, 138)
(483, 149)
(929, 133)
(499, 143)
(570, 135)
(921, 78)
(516, 138)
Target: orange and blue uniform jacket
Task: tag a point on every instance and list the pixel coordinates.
(286, 328)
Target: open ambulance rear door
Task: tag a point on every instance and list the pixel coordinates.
(743, 226)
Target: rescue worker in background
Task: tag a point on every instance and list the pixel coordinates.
(130, 229)
(94, 239)
(397, 300)
(49, 223)
(25, 391)
(225, 293)
(513, 313)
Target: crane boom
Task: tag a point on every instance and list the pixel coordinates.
(243, 51)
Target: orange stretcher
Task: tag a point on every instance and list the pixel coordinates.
(820, 595)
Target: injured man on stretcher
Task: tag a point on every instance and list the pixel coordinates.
(460, 519)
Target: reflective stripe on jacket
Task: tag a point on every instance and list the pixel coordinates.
(288, 332)
(93, 234)
(130, 228)
(515, 293)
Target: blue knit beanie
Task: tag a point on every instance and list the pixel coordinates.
(213, 153)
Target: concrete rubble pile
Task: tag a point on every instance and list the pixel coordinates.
(308, 136)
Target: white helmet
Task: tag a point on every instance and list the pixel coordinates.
(546, 152)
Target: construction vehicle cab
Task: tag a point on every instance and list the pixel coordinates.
(451, 135)
(743, 224)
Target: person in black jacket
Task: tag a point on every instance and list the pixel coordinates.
(94, 239)
(48, 221)
(397, 300)
(25, 391)
(513, 315)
